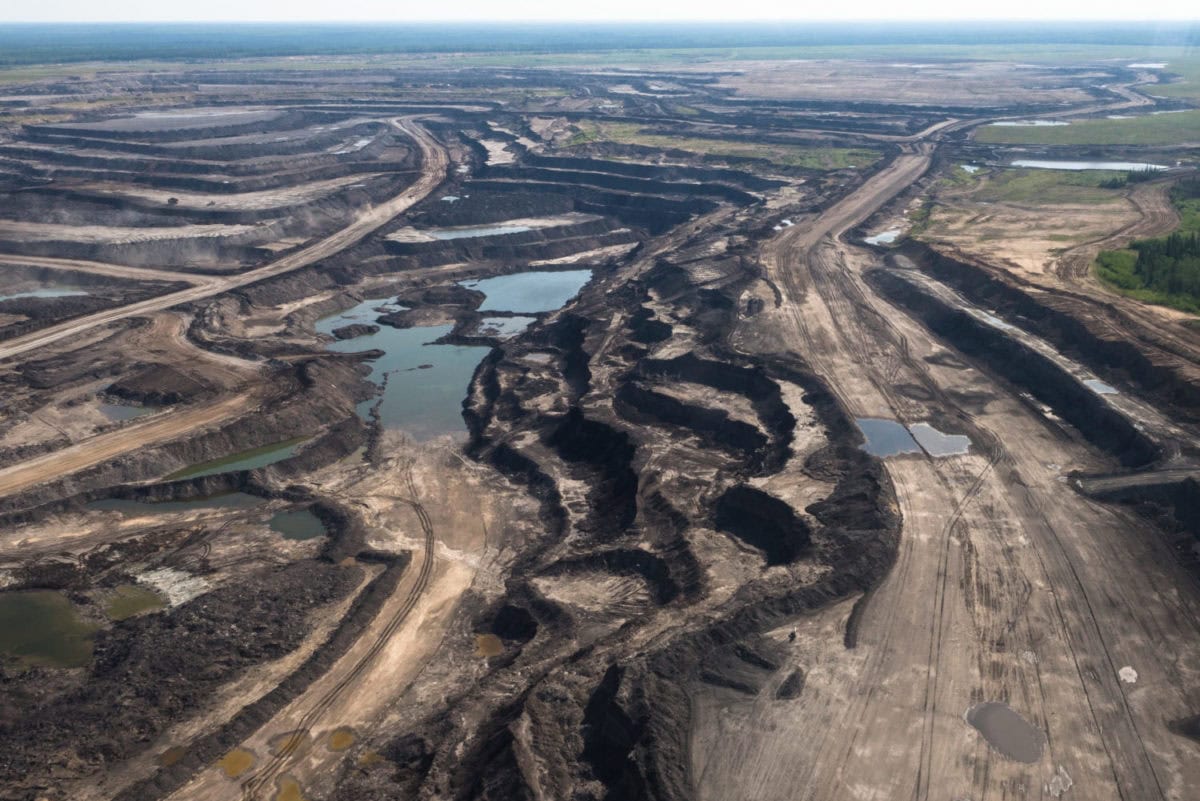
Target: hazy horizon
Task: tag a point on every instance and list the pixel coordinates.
(616, 11)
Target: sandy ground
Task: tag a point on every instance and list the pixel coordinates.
(430, 502)
(409, 234)
(975, 83)
(265, 199)
(433, 171)
(1030, 239)
(105, 447)
(162, 340)
(30, 232)
(1008, 586)
(100, 268)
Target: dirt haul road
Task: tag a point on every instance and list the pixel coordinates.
(100, 268)
(434, 508)
(433, 171)
(109, 446)
(1008, 587)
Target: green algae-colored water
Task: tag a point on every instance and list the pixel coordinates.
(224, 500)
(132, 599)
(244, 460)
(297, 524)
(41, 627)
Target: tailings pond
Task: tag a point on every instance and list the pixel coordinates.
(425, 384)
(119, 412)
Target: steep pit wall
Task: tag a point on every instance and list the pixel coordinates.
(1076, 328)
(1025, 367)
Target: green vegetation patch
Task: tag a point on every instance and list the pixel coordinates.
(1048, 187)
(803, 156)
(1147, 129)
(132, 599)
(1164, 270)
(41, 628)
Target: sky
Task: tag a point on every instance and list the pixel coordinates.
(606, 10)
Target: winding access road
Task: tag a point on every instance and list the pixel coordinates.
(434, 161)
(1008, 585)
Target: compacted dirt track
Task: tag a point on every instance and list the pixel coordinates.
(1008, 587)
(104, 447)
(433, 171)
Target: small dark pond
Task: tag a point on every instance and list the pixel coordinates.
(118, 412)
(297, 524)
(1006, 731)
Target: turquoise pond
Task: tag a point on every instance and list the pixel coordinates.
(530, 292)
(426, 383)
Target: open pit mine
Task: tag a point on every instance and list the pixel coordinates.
(725, 431)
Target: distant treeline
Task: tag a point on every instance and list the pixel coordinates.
(1165, 269)
(1170, 265)
(1131, 177)
(42, 43)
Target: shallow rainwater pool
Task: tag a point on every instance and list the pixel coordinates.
(426, 383)
(885, 238)
(47, 292)
(886, 437)
(483, 230)
(225, 500)
(935, 443)
(118, 411)
(297, 524)
(530, 292)
(1123, 166)
(1006, 731)
(1099, 387)
(41, 628)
